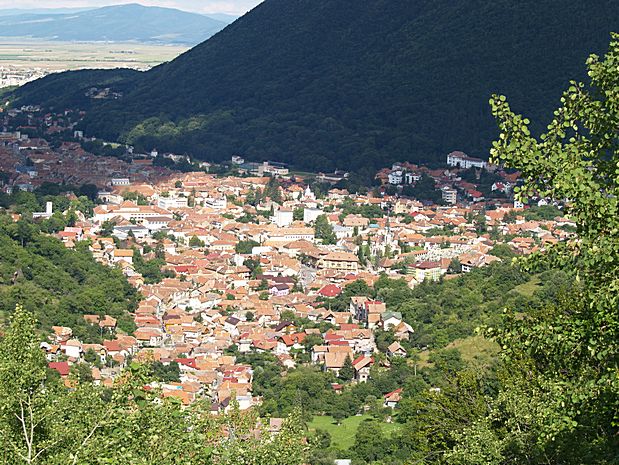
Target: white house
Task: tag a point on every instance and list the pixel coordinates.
(310, 214)
(172, 202)
(216, 203)
(462, 160)
(283, 217)
(395, 177)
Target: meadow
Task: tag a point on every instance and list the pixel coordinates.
(343, 435)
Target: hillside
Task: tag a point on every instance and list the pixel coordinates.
(119, 23)
(355, 85)
(58, 285)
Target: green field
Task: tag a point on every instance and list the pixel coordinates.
(472, 349)
(528, 288)
(343, 435)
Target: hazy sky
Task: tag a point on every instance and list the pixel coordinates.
(201, 6)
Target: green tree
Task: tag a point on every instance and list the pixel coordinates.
(324, 231)
(559, 397)
(245, 247)
(297, 214)
(370, 441)
(503, 251)
(195, 241)
(40, 420)
(347, 371)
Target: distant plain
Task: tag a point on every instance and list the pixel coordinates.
(58, 56)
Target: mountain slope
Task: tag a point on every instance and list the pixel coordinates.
(357, 85)
(131, 22)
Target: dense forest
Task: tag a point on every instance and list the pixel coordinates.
(345, 84)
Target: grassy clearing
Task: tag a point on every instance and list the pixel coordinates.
(302, 174)
(528, 288)
(343, 435)
(474, 349)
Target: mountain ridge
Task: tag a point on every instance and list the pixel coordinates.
(356, 85)
(115, 23)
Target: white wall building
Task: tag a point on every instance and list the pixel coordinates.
(216, 203)
(283, 217)
(395, 177)
(449, 195)
(310, 214)
(462, 160)
(172, 202)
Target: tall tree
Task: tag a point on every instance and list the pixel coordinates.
(347, 371)
(559, 400)
(40, 420)
(324, 231)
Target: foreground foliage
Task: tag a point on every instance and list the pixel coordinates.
(559, 395)
(43, 422)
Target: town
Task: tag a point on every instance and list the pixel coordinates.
(250, 260)
(17, 76)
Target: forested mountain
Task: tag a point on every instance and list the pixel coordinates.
(115, 23)
(349, 84)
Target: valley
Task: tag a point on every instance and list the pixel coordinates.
(23, 60)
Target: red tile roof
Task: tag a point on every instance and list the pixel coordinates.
(61, 367)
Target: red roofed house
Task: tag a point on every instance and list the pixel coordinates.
(61, 367)
(330, 290)
(393, 398)
(362, 365)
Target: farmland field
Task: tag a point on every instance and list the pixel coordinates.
(30, 54)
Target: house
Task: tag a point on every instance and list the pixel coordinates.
(427, 270)
(356, 303)
(393, 398)
(287, 342)
(403, 331)
(449, 195)
(150, 337)
(72, 348)
(318, 354)
(462, 160)
(330, 290)
(472, 260)
(344, 261)
(283, 217)
(122, 255)
(335, 358)
(396, 350)
(172, 203)
(391, 320)
(362, 365)
(395, 177)
(62, 368)
(279, 290)
(369, 311)
(230, 325)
